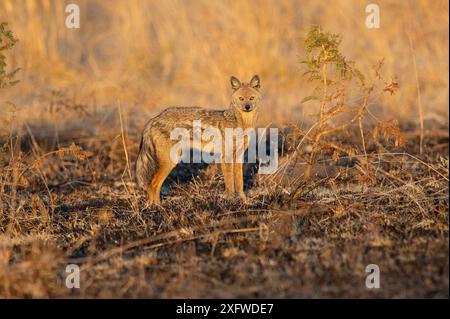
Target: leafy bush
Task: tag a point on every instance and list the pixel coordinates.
(333, 73)
(7, 41)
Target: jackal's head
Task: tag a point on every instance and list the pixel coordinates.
(246, 96)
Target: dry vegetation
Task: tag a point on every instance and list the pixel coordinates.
(377, 191)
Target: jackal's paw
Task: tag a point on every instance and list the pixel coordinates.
(235, 198)
(243, 198)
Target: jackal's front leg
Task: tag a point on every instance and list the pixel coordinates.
(227, 170)
(238, 178)
(238, 172)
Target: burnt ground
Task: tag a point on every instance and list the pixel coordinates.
(293, 240)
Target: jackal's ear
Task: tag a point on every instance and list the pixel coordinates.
(235, 83)
(255, 82)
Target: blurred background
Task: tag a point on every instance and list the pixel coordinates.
(152, 54)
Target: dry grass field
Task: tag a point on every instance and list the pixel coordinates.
(70, 129)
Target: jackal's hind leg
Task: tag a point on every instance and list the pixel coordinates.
(150, 194)
(160, 176)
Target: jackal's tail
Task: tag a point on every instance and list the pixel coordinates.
(146, 162)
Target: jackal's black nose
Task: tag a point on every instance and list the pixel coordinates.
(247, 107)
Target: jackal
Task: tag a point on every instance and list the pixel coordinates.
(154, 163)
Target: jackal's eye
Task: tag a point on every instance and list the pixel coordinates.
(241, 98)
(252, 98)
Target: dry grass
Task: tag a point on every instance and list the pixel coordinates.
(75, 207)
(66, 194)
(156, 54)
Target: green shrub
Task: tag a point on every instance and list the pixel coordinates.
(7, 41)
(333, 73)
